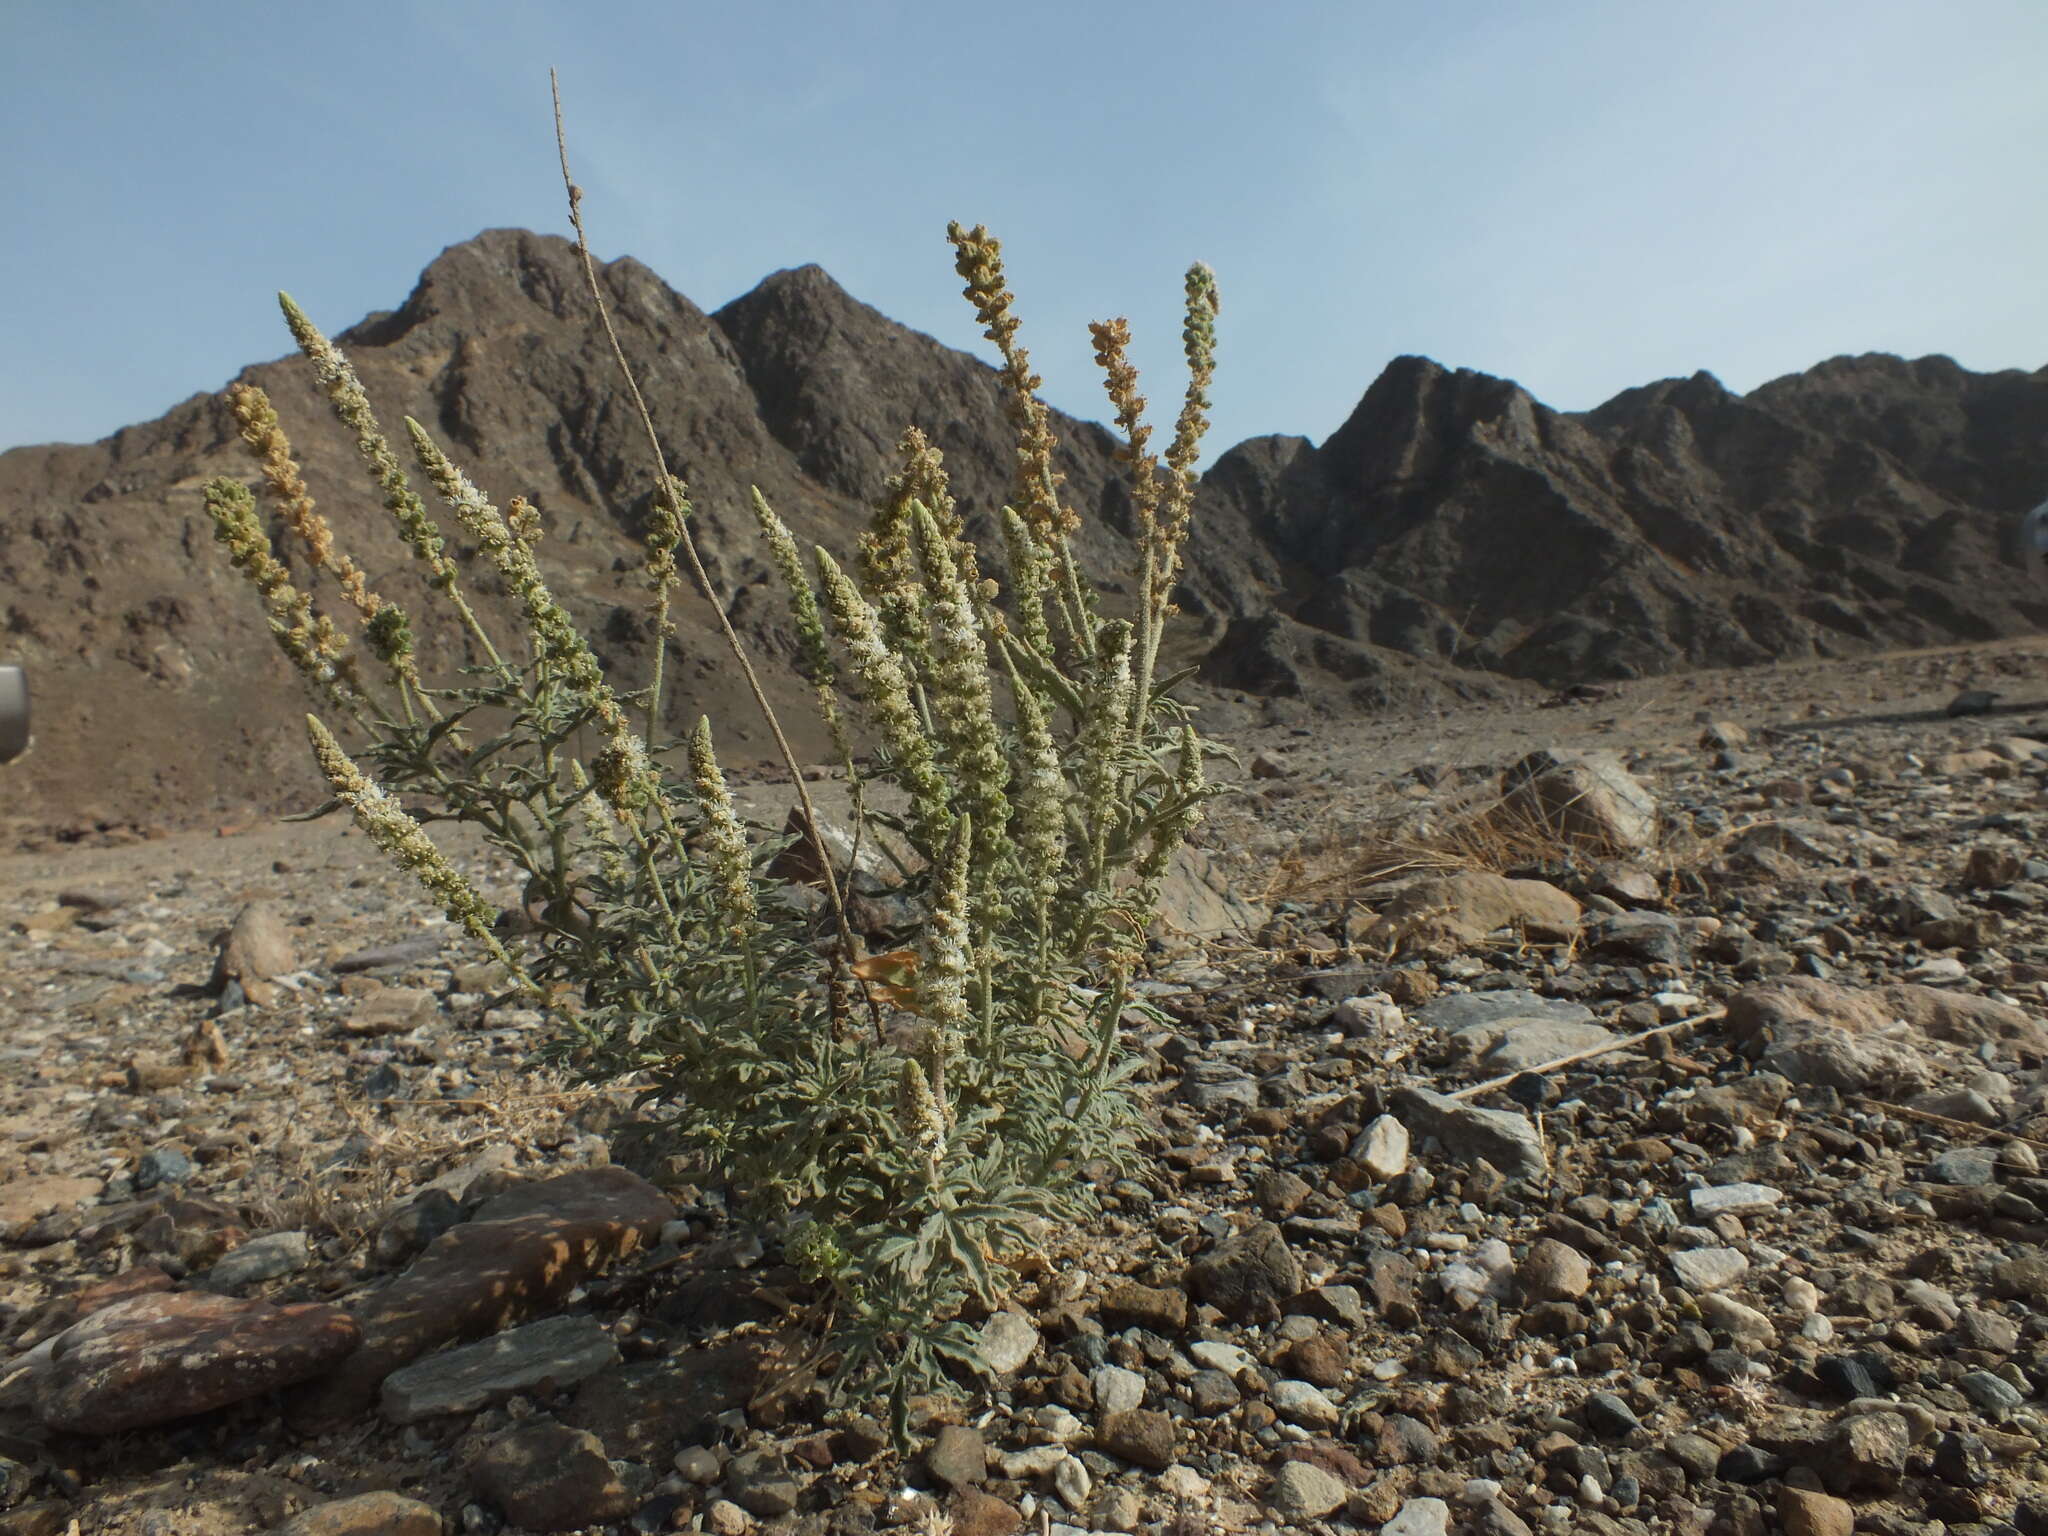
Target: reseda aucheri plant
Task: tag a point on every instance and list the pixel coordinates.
(902, 1122)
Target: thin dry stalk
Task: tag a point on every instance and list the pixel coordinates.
(671, 487)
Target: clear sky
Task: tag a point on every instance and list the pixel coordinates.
(1582, 195)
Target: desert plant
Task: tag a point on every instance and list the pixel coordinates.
(902, 1120)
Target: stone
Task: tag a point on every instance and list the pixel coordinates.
(271, 1257)
(1806, 1512)
(1321, 1360)
(1523, 1047)
(1391, 1281)
(1248, 1276)
(1969, 1167)
(1962, 1460)
(1070, 1480)
(958, 1457)
(1298, 1402)
(162, 1165)
(1554, 1271)
(38, 1195)
(1648, 938)
(392, 1011)
(974, 1512)
(1382, 1149)
(1141, 1436)
(643, 1411)
(1420, 1517)
(1747, 1326)
(522, 1253)
(697, 1464)
(1994, 1395)
(1196, 900)
(1116, 1389)
(762, 1483)
(1217, 1088)
(1482, 1273)
(1156, 1310)
(162, 1356)
(1869, 1040)
(1864, 1456)
(1734, 1200)
(1586, 800)
(1230, 1359)
(1503, 1138)
(546, 1356)
(367, 1514)
(411, 1226)
(388, 956)
(1302, 1491)
(1609, 1417)
(1709, 1269)
(1441, 916)
(549, 1477)
(1007, 1342)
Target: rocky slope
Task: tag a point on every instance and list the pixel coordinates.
(1453, 528)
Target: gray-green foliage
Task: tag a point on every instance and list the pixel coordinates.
(901, 1121)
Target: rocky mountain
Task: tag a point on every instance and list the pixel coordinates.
(1865, 503)
(1452, 528)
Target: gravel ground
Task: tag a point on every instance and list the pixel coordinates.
(1776, 1262)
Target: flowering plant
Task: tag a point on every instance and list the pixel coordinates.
(901, 1120)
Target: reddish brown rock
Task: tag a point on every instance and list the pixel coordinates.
(519, 1256)
(155, 1358)
(548, 1477)
(975, 1513)
(367, 1514)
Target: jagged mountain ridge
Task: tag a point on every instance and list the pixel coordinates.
(1452, 519)
(1864, 503)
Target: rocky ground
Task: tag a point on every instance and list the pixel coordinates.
(297, 1239)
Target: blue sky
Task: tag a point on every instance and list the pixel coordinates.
(1582, 195)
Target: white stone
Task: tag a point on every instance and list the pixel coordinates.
(1116, 1389)
(1303, 1491)
(1007, 1341)
(1303, 1404)
(1071, 1481)
(1227, 1358)
(1420, 1517)
(1179, 1482)
(1032, 1461)
(1708, 1269)
(1802, 1297)
(1735, 1200)
(1383, 1149)
(1723, 1314)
